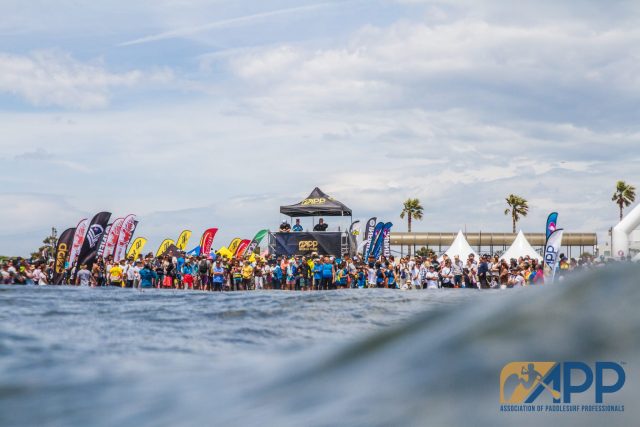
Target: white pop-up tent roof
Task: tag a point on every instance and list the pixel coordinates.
(460, 247)
(520, 248)
(636, 258)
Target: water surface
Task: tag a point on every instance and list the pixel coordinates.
(78, 356)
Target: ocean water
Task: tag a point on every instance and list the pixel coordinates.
(81, 357)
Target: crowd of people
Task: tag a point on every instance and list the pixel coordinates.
(312, 272)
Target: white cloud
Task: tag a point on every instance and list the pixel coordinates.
(548, 70)
(55, 78)
(206, 168)
(26, 211)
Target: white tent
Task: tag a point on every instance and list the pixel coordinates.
(520, 248)
(636, 258)
(460, 247)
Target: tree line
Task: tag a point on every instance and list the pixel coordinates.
(518, 207)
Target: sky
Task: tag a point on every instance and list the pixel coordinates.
(196, 114)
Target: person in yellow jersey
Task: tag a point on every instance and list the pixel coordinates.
(247, 274)
(116, 275)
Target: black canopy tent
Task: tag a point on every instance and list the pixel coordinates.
(317, 204)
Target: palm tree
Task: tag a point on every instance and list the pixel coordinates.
(413, 210)
(518, 207)
(625, 195)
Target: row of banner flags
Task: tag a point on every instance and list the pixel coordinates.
(237, 248)
(83, 242)
(377, 239)
(99, 238)
(89, 240)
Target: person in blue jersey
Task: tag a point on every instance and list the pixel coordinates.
(380, 276)
(277, 276)
(328, 275)
(292, 272)
(187, 271)
(180, 260)
(218, 276)
(361, 278)
(297, 226)
(317, 273)
(390, 276)
(147, 277)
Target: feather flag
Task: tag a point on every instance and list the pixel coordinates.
(256, 241)
(183, 240)
(136, 248)
(166, 243)
(126, 233)
(62, 251)
(78, 240)
(242, 247)
(91, 243)
(368, 235)
(112, 238)
(551, 252)
(233, 246)
(552, 224)
(377, 232)
(207, 241)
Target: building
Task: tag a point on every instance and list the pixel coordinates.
(573, 244)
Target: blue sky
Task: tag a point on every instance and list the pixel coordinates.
(195, 113)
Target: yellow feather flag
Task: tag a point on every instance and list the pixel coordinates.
(224, 252)
(183, 240)
(233, 246)
(164, 246)
(136, 248)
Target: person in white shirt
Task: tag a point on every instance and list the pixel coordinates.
(4, 275)
(267, 272)
(132, 273)
(12, 270)
(447, 274)
(424, 269)
(416, 282)
(457, 270)
(432, 278)
(516, 280)
(39, 278)
(371, 276)
(472, 261)
(403, 277)
(258, 276)
(84, 276)
(125, 269)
